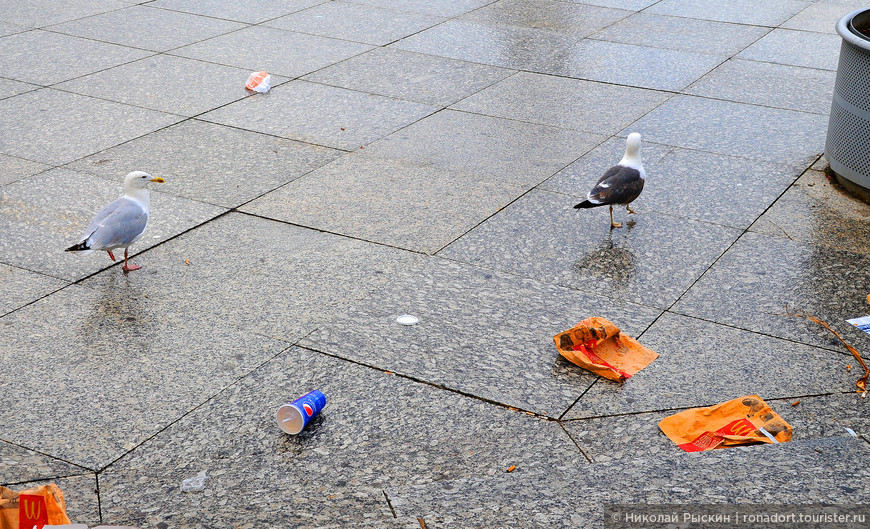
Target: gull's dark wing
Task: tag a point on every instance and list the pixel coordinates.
(619, 185)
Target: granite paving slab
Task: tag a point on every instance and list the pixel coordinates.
(442, 8)
(119, 369)
(825, 415)
(687, 183)
(45, 57)
(563, 102)
(376, 431)
(483, 333)
(753, 283)
(514, 47)
(169, 84)
(20, 465)
(701, 364)
(822, 16)
(393, 202)
(542, 236)
(510, 151)
(61, 127)
(736, 129)
(79, 494)
(19, 287)
(9, 88)
(37, 13)
(627, 64)
(44, 214)
(769, 84)
(165, 29)
(280, 52)
(261, 276)
(824, 471)
(321, 114)
(683, 34)
(356, 22)
(211, 163)
(13, 169)
(633, 5)
(9, 29)
(248, 11)
(756, 12)
(818, 211)
(392, 72)
(622, 437)
(570, 19)
(797, 48)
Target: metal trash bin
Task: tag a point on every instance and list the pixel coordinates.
(847, 148)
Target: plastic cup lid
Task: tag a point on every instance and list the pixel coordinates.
(407, 319)
(289, 419)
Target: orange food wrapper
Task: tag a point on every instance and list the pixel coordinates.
(742, 421)
(33, 507)
(259, 82)
(599, 346)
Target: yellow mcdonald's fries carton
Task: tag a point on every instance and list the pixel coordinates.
(742, 421)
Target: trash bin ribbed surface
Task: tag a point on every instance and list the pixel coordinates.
(848, 144)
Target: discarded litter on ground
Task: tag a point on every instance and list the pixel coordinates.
(36, 506)
(294, 416)
(599, 346)
(407, 319)
(259, 82)
(742, 421)
(862, 323)
(862, 382)
(194, 484)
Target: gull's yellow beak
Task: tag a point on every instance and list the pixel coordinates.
(158, 179)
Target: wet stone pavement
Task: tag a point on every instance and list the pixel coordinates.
(421, 157)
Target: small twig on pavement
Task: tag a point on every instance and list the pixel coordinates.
(862, 382)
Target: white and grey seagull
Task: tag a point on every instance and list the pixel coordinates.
(122, 222)
(621, 184)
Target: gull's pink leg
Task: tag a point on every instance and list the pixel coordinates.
(110, 254)
(129, 267)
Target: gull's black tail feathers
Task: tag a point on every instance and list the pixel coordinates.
(586, 205)
(78, 247)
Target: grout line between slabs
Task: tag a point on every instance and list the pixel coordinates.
(99, 497)
(571, 437)
(50, 478)
(428, 383)
(321, 230)
(389, 503)
(595, 381)
(680, 408)
(742, 234)
(285, 348)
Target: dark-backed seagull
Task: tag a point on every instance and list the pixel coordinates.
(122, 222)
(621, 184)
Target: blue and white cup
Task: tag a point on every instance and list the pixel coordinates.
(294, 416)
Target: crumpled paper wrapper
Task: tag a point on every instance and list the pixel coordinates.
(733, 423)
(36, 506)
(599, 346)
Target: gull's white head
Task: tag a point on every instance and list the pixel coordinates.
(632, 153)
(632, 145)
(138, 180)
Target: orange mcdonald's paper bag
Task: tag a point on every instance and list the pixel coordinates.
(733, 423)
(36, 506)
(598, 345)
